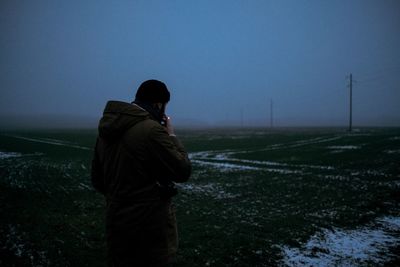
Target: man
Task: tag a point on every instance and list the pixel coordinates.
(137, 159)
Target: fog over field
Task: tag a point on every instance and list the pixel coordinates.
(226, 63)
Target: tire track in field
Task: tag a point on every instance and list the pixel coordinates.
(294, 144)
(50, 142)
(225, 161)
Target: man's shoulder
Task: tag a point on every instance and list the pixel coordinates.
(146, 127)
(150, 124)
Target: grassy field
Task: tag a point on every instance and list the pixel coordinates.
(287, 197)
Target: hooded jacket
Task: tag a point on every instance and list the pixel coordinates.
(133, 156)
(134, 153)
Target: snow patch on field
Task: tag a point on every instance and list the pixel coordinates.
(339, 247)
(340, 149)
(224, 166)
(224, 161)
(211, 189)
(392, 151)
(6, 155)
(228, 167)
(16, 242)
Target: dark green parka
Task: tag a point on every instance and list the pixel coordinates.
(133, 156)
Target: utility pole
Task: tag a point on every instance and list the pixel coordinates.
(241, 117)
(271, 114)
(351, 103)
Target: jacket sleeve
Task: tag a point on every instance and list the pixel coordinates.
(170, 154)
(97, 176)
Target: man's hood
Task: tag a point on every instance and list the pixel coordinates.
(118, 117)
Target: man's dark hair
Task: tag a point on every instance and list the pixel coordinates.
(152, 91)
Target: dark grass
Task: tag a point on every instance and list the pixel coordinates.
(51, 217)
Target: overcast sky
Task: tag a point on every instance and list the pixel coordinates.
(223, 61)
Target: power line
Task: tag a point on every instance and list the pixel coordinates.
(380, 74)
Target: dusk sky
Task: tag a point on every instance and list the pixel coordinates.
(223, 61)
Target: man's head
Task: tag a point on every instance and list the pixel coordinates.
(152, 92)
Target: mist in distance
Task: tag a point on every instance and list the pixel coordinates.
(223, 61)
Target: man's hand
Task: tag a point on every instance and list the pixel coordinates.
(168, 125)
